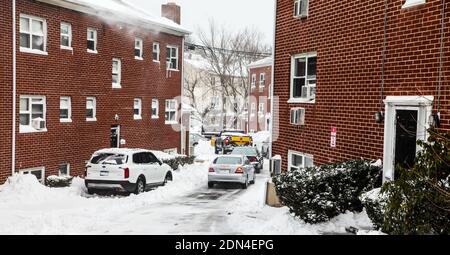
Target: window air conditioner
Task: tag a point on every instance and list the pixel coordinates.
(275, 165)
(38, 123)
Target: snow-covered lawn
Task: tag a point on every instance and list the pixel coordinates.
(184, 206)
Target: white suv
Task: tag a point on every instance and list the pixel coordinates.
(129, 170)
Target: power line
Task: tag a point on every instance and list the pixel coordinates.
(192, 46)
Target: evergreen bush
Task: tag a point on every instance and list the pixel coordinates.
(180, 160)
(317, 194)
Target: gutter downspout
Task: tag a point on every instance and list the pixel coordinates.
(182, 129)
(273, 82)
(13, 143)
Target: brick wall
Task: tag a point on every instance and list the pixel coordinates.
(80, 74)
(5, 90)
(348, 39)
(258, 96)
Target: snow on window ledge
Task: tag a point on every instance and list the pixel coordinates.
(92, 51)
(412, 3)
(138, 58)
(66, 48)
(116, 86)
(65, 120)
(301, 101)
(155, 117)
(91, 119)
(27, 129)
(171, 122)
(137, 117)
(39, 52)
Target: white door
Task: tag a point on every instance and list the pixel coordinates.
(405, 123)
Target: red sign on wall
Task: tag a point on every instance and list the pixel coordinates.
(333, 137)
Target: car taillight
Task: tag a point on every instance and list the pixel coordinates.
(211, 170)
(126, 173)
(252, 159)
(227, 141)
(239, 170)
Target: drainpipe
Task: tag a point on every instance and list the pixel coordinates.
(273, 83)
(182, 129)
(13, 146)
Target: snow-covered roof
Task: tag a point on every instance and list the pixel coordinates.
(262, 62)
(196, 60)
(122, 11)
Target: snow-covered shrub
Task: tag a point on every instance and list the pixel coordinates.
(180, 160)
(317, 194)
(374, 203)
(54, 181)
(418, 200)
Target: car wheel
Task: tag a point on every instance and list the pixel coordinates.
(168, 178)
(245, 185)
(90, 191)
(140, 186)
(210, 185)
(254, 179)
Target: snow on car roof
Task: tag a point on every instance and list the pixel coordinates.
(234, 134)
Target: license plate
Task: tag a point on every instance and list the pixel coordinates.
(104, 173)
(224, 171)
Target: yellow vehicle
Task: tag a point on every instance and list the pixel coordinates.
(229, 139)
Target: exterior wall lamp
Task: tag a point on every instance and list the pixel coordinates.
(379, 117)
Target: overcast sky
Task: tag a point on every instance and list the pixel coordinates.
(236, 14)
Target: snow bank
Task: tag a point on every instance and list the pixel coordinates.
(260, 138)
(204, 151)
(28, 207)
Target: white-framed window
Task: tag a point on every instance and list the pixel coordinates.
(303, 78)
(155, 108)
(33, 34)
(411, 3)
(66, 36)
(172, 57)
(137, 109)
(253, 109)
(262, 80)
(91, 109)
(116, 73)
(92, 40)
(171, 111)
(215, 102)
(261, 108)
(301, 8)
(298, 160)
(39, 172)
(172, 151)
(138, 48)
(65, 109)
(32, 114)
(64, 169)
(156, 51)
(253, 81)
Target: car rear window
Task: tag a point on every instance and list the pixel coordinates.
(244, 151)
(109, 158)
(228, 160)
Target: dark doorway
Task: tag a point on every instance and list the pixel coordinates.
(405, 138)
(115, 136)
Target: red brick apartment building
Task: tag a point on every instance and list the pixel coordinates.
(338, 64)
(260, 74)
(90, 75)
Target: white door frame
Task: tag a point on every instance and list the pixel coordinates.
(423, 105)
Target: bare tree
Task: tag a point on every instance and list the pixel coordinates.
(228, 54)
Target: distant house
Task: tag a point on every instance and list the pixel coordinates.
(359, 80)
(90, 74)
(259, 102)
(214, 109)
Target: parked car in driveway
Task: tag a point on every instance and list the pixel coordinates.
(126, 170)
(231, 169)
(252, 155)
